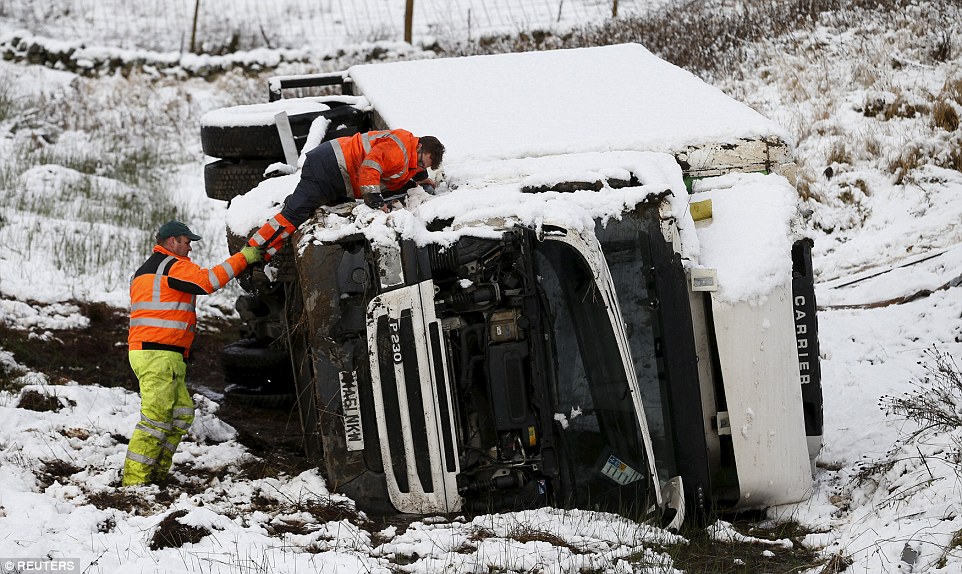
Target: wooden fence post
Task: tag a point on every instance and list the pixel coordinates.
(408, 20)
(193, 32)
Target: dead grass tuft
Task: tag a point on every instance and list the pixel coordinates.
(952, 89)
(281, 526)
(836, 564)
(327, 509)
(702, 553)
(909, 160)
(524, 534)
(120, 499)
(41, 402)
(839, 154)
(56, 471)
(480, 533)
(944, 115)
(107, 525)
(255, 468)
(78, 433)
(9, 377)
(954, 159)
(956, 541)
(321, 510)
(943, 47)
(171, 533)
(903, 108)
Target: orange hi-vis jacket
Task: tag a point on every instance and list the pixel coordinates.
(163, 294)
(374, 159)
(272, 235)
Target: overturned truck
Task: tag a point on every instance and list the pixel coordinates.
(604, 305)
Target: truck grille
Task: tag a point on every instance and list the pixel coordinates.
(415, 415)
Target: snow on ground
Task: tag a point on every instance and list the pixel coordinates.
(59, 501)
(58, 468)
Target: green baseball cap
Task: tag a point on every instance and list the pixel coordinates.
(175, 229)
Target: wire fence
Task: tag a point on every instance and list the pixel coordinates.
(228, 25)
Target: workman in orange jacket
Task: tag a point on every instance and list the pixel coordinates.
(359, 167)
(163, 293)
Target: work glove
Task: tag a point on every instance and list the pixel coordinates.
(374, 200)
(253, 254)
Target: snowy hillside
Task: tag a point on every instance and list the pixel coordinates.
(89, 167)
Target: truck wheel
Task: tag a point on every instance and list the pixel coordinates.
(249, 354)
(262, 141)
(259, 398)
(226, 179)
(279, 379)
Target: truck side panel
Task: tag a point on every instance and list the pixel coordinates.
(759, 367)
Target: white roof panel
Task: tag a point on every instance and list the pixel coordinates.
(534, 104)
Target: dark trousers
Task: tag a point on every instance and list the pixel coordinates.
(321, 184)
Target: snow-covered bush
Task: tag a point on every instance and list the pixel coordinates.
(936, 402)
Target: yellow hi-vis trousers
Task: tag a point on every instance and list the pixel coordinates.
(166, 412)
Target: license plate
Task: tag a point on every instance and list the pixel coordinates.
(351, 405)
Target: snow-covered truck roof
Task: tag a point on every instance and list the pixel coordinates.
(536, 119)
(535, 104)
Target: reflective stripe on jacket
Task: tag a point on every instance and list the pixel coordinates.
(272, 235)
(163, 295)
(377, 160)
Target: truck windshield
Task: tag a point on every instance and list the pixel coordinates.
(627, 252)
(603, 460)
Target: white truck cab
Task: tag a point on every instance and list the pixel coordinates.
(604, 304)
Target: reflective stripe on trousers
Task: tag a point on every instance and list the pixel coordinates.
(166, 412)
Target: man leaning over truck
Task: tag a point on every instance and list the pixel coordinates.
(363, 164)
(163, 293)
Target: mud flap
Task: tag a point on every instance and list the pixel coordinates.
(673, 505)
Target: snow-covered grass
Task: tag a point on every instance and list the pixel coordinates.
(219, 26)
(869, 96)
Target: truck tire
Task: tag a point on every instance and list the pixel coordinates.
(249, 354)
(258, 398)
(226, 179)
(249, 365)
(262, 141)
(277, 379)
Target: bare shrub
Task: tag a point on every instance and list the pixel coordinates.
(936, 402)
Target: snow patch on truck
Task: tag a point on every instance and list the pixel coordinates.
(748, 239)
